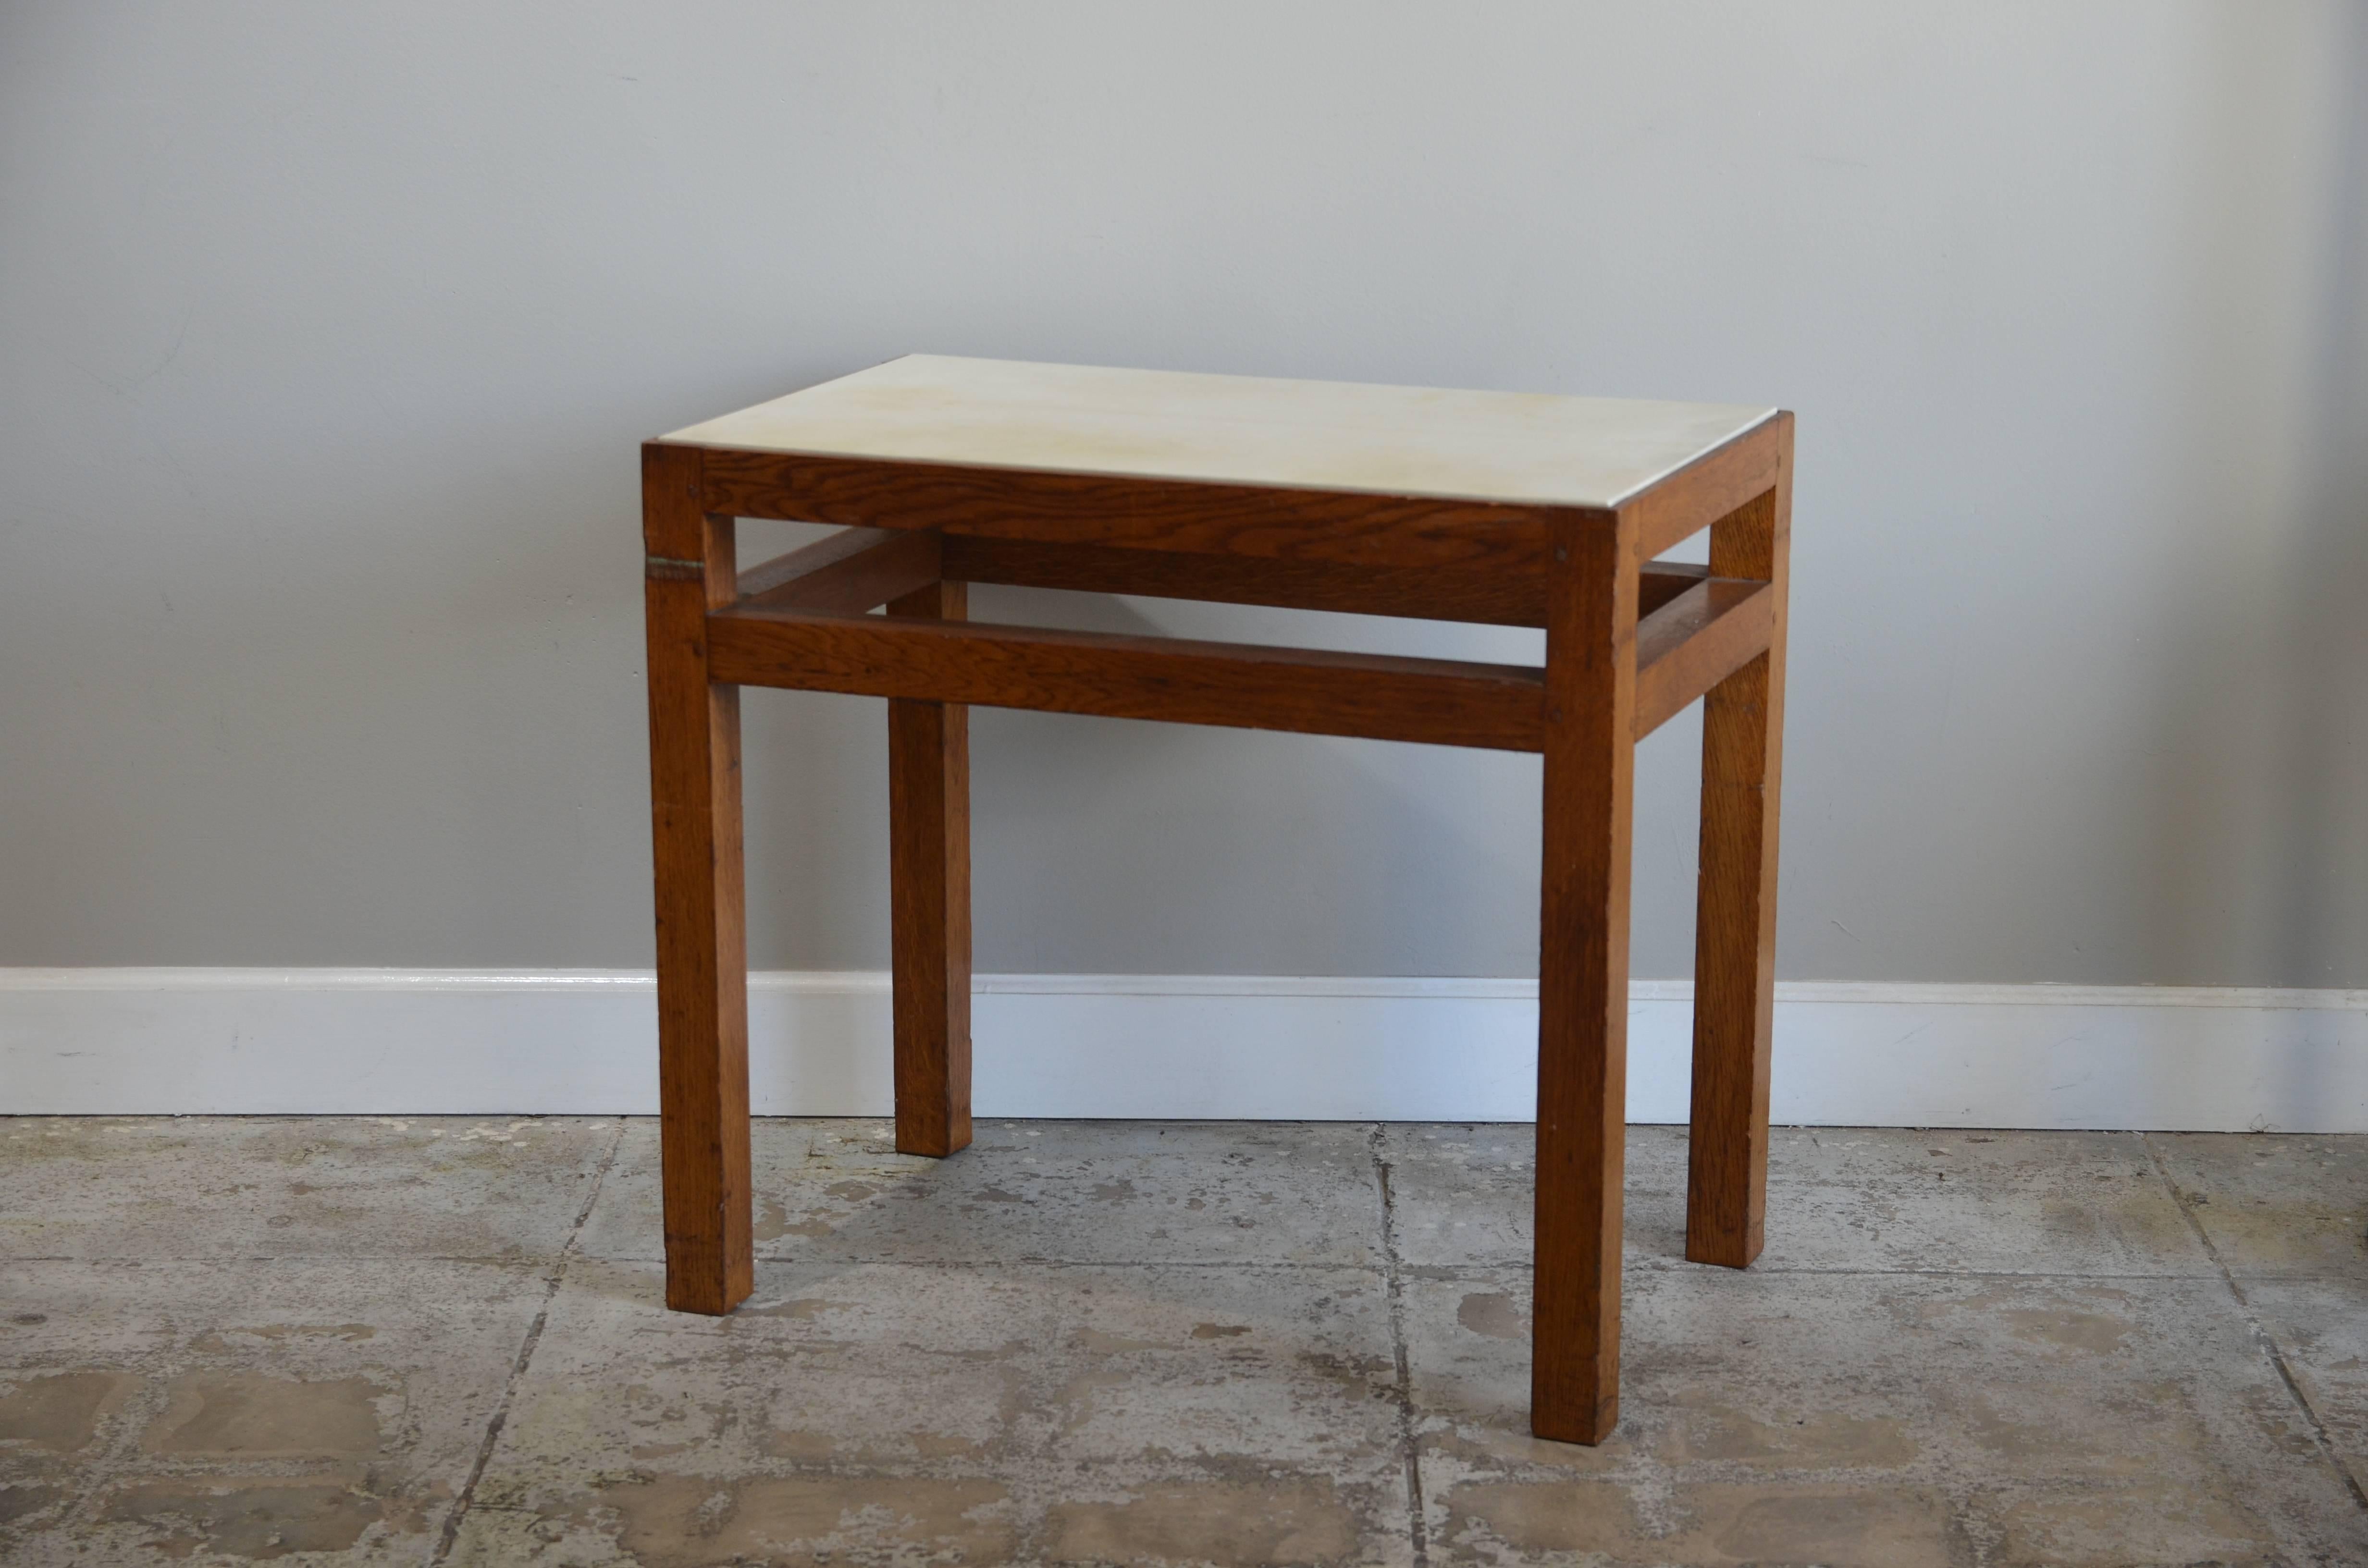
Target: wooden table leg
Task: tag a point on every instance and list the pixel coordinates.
(928, 871)
(1583, 980)
(1735, 928)
(701, 936)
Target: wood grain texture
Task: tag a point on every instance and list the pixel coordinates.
(1482, 595)
(1583, 983)
(1685, 503)
(928, 871)
(1315, 691)
(1694, 642)
(1734, 940)
(1142, 514)
(1658, 582)
(847, 574)
(702, 956)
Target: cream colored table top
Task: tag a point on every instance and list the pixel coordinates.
(1481, 446)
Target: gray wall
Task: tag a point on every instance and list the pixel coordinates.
(327, 334)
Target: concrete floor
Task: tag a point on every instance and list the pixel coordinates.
(441, 1341)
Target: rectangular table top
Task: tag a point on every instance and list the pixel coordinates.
(1164, 424)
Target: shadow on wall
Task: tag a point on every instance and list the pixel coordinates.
(2257, 781)
(2325, 858)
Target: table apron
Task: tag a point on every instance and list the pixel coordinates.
(1686, 646)
(856, 569)
(1209, 518)
(1316, 691)
(1696, 641)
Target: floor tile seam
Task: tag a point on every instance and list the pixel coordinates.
(1023, 1470)
(1410, 1451)
(1033, 1502)
(1940, 1476)
(1677, 1265)
(1670, 1264)
(2267, 1343)
(119, 1458)
(2204, 1277)
(533, 1265)
(1376, 1266)
(1934, 1474)
(143, 1467)
(450, 1534)
(87, 1481)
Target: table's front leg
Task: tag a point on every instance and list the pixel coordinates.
(1735, 924)
(1583, 980)
(928, 870)
(703, 948)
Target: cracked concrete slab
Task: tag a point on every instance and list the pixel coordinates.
(2320, 1329)
(156, 1188)
(1878, 1419)
(1059, 1191)
(249, 1410)
(2279, 1207)
(1838, 1198)
(1233, 1414)
(1163, 1343)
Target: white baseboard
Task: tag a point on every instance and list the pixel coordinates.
(122, 1041)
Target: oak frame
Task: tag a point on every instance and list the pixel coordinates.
(1630, 643)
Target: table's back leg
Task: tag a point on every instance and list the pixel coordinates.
(1583, 983)
(929, 870)
(701, 936)
(1734, 931)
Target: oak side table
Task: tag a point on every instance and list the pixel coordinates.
(1497, 507)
